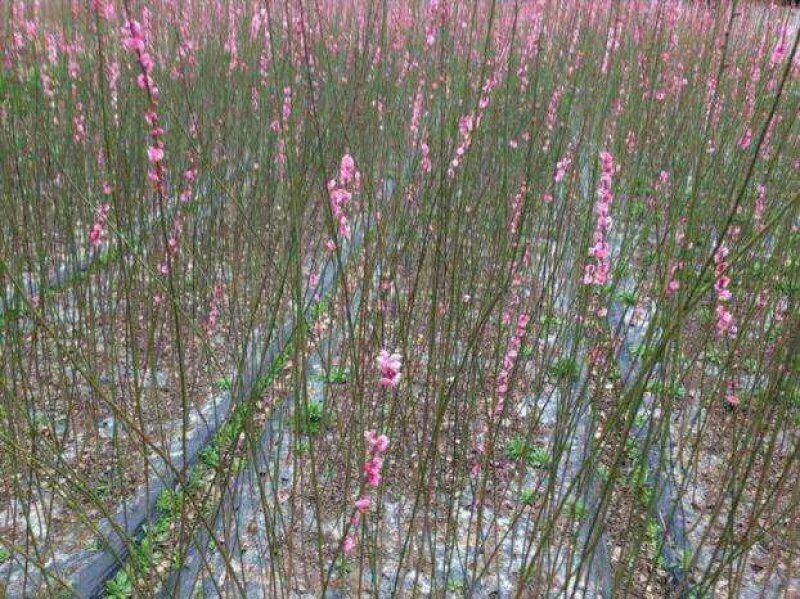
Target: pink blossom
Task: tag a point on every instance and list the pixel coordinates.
(561, 169)
(780, 50)
(95, 234)
(372, 471)
(376, 447)
(381, 444)
(376, 444)
(597, 273)
(339, 196)
(425, 163)
(349, 544)
(362, 504)
(347, 169)
(287, 103)
(389, 365)
(155, 154)
(509, 359)
(745, 139)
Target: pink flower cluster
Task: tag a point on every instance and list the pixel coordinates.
(781, 49)
(286, 109)
(376, 447)
(339, 195)
(173, 244)
(512, 351)
(133, 39)
(79, 124)
(438, 14)
(674, 284)
(731, 398)
(425, 163)
(98, 231)
(189, 177)
(552, 115)
(612, 44)
(725, 322)
(745, 139)
(468, 123)
(516, 210)
(213, 308)
(562, 166)
(597, 273)
(389, 365)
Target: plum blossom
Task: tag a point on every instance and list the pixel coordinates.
(349, 544)
(597, 273)
(98, 231)
(362, 504)
(389, 365)
(376, 447)
(339, 195)
(510, 358)
(726, 325)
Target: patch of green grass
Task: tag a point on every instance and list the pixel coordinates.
(578, 510)
(516, 449)
(565, 369)
(210, 456)
(342, 566)
(539, 457)
(145, 554)
(628, 298)
(120, 586)
(312, 418)
(104, 487)
(672, 390)
(527, 496)
(655, 541)
(337, 375)
(536, 457)
(455, 585)
(713, 356)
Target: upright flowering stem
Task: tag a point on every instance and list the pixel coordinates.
(725, 321)
(341, 192)
(133, 40)
(376, 448)
(133, 37)
(596, 273)
(213, 308)
(509, 360)
(389, 366)
(98, 231)
(468, 123)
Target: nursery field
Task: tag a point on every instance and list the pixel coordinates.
(399, 298)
